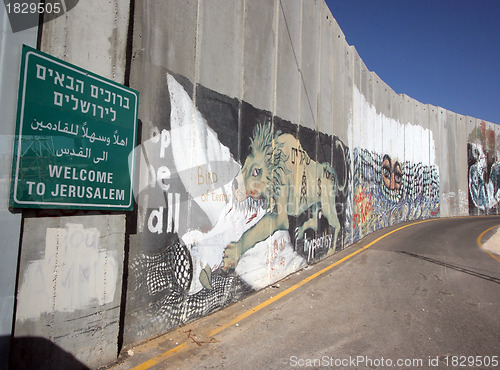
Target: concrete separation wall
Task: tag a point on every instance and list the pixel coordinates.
(266, 145)
(10, 50)
(71, 262)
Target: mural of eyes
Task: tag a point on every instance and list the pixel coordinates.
(391, 174)
(256, 172)
(386, 171)
(398, 175)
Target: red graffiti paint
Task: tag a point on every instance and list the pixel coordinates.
(363, 205)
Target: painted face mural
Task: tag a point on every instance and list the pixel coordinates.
(379, 202)
(484, 170)
(386, 189)
(392, 174)
(484, 179)
(213, 229)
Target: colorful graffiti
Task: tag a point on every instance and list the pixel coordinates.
(363, 206)
(211, 230)
(484, 179)
(232, 199)
(254, 199)
(484, 170)
(387, 188)
(383, 198)
(277, 173)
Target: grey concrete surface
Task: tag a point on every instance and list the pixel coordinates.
(10, 50)
(423, 294)
(221, 34)
(67, 296)
(288, 78)
(310, 73)
(326, 61)
(259, 53)
(92, 36)
(461, 175)
(442, 161)
(343, 80)
(69, 289)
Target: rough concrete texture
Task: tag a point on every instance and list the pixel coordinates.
(446, 197)
(172, 28)
(309, 66)
(326, 71)
(92, 36)
(259, 53)
(459, 173)
(288, 78)
(220, 34)
(71, 269)
(10, 49)
(69, 289)
(343, 78)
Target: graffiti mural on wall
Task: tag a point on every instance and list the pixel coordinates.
(484, 179)
(211, 230)
(282, 177)
(387, 191)
(387, 188)
(484, 171)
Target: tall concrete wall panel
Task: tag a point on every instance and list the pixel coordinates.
(97, 46)
(326, 61)
(309, 67)
(461, 176)
(356, 138)
(492, 164)
(407, 118)
(484, 169)
(436, 124)
(343, 82)
(259, 53)
(220, 36)
(71, 269)
(474, 151)
(10, 51)
(377, 121)
(367, 129)
(454, 149)
(288, 77)
(423, 142)
(166, 34)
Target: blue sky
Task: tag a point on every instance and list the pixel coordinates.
(441, 52)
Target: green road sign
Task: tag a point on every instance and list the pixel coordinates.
(75, 138)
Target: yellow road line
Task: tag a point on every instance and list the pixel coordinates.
(164, 356)
(481, 245)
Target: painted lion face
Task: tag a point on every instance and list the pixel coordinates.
(252, 180)
(262, 175)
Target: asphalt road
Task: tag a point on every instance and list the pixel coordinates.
(425, 296)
